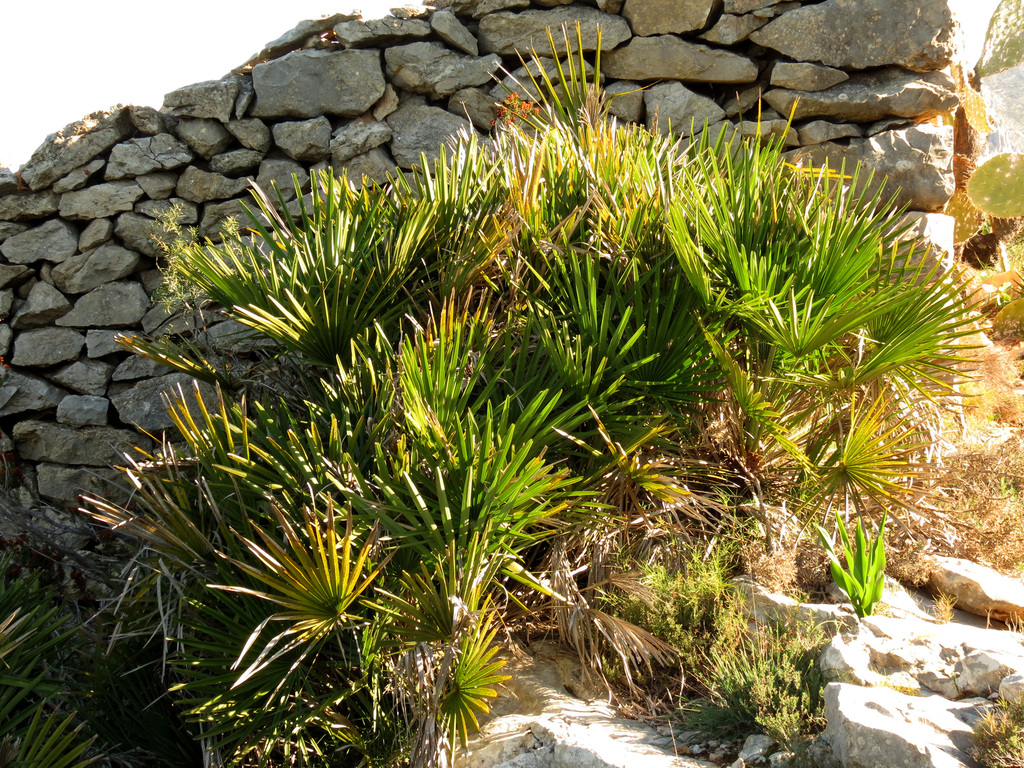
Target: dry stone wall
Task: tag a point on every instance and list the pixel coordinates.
(80, 232)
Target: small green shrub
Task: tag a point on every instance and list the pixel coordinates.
(769, 682)
(690, 609)
(999, 736)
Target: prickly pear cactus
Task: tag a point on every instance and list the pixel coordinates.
(966, 214)
(997, 186)
(1004, 46)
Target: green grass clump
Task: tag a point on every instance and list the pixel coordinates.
(999, 736)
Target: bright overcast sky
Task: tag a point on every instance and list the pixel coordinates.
(62, 59)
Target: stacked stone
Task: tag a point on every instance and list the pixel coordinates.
(80, 229)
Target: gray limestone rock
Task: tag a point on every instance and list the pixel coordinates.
(216, 215)
(13, 274)
(297, 36)
(89, 377)
(626, 100)
(433, 70)
(282, 171)
(872, 96)
(883, 728)
(237, 162)
(144, 406)
(102, 343)
(143, 234)
(66, 485)
(669, 57)
(373, 167)
(447, 26)
(480, 8)
(44, 347)
(112, 305)
(8, 181)
(89, 446)
(422, 129)
(10, 229)
(205, 137)
(24, 206)
(304, 140)
(765, 128)
(357, 138)
(820, 131)
(748, 6)
(386, 104)
(138, 157)
(211, 99)
(6, 303)
(313, 83)
(982, 672)
(79, 177)
(100, 201)
(158, 186)
(729, 29)
(917, 160)
(506, 33)
(53, 241)
(96, 232)
(23, 393)
(661, 17)
(806, 77)
(147, 120)
(6, 339)
(380, 33)
(201, 186)
(476, 104)
(44, 305)
(74, 146)
(94, 268)
(857, 34)
(676, 105)
(184, 212)
(138, 367)
(251, 133)
(83, 411)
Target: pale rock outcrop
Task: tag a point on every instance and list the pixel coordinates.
(977, 589)
(883, 728)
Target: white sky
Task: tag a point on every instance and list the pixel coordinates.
(62, 59)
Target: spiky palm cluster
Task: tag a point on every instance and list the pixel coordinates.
(483, 379)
